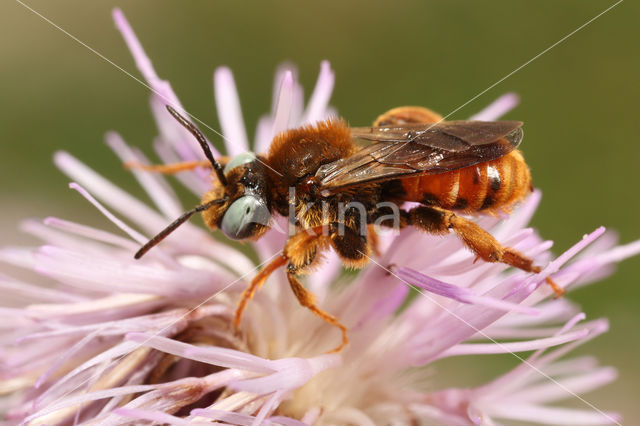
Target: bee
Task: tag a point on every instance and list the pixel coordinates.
(409, 154)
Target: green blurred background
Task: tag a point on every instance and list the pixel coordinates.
(579, 104)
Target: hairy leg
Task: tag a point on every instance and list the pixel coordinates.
(255, 284)
(374, 240)
(168, 168)
(306, 299)
(438, 221)
(299, 252)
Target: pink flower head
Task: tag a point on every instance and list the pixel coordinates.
(111, 340)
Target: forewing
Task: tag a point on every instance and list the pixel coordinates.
(401, 151)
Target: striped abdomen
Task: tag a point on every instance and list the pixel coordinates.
(484, 187)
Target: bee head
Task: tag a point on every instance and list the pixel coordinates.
(237, 203)
(245, 214)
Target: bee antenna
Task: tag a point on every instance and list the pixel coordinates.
(172, 227)
(202, 140)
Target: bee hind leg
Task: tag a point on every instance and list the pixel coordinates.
(438, 221)
(352, 247)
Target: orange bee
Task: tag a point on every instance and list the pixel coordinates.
(311, 173)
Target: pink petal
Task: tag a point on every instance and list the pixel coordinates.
(520, 218)
(564, 257)
(319, 101)
(153, 183)
(297, 105)
(142, 60)
(17, 256)
(284, 104)
(197, 181)
(212, 355)
(581, 316)
(312, 415)
(512, 347)
(278, 77)
(530, 371)
(242, 419)
(108, 274)
(286, 421)
(498, 108)
(619, 253)
(56, 237)
(109, 193)
(188, 237)
(91, 233)
(461, 294)
(573, 366)
(548, 392)
(118, 306)
(87, 397)
(229, 112)
(223, 415)
(120, 224)
(160, 88)
(552, 310)
(291, 374)
(327, 273)
(35, 293)
(152, 415)
(274, 240)
(167, 319)
(268, 407)
(387, 305)
(264, 134)
(554, 415)
(239, 401)
(63, 358)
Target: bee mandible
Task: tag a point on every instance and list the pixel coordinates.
(449, 168)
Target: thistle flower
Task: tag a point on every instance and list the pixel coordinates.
(112, 340)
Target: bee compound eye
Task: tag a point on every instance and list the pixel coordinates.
(244, 216)
(238, 160)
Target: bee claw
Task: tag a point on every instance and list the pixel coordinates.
(557, 290)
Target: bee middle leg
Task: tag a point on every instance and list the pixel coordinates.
(299, 251)
(438, 221)
(352, 248)
(307, 299)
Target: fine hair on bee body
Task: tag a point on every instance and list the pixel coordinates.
(338, 194)
(339, 215)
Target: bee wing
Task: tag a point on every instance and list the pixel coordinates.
(415, 149)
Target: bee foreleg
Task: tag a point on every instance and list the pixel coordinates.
(303, 247)
(168, 169)
(298, 254)
(255, 284)
(438, 221)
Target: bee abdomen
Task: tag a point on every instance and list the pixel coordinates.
(484, 187)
